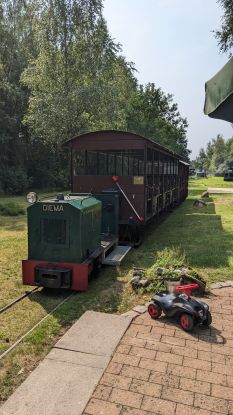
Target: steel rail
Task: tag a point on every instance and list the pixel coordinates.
(33, 328)
(26, 294)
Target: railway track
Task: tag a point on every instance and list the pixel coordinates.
(17, 300)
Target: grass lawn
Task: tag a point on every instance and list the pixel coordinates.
(204, 235)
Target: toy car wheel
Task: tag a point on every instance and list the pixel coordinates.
(186, 322)
(154, 310)
(208, 320)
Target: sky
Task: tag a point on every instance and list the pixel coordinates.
(172, 44)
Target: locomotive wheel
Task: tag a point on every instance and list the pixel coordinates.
(207, 322)
(154, 310)
(186, 322)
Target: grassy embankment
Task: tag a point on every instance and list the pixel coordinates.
(204, 235)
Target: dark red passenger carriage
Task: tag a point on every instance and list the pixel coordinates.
(149, 178)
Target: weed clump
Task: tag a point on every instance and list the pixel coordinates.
(170, 265)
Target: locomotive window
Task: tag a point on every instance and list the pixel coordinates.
(54, 231)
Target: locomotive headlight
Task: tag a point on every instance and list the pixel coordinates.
(32, 197)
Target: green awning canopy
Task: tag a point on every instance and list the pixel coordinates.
(219, 94)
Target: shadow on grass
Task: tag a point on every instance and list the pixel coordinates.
(104, 294)
(197, 232)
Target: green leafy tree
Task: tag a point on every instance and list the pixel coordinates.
(225, 34)
(217, 157)
(200, 162)
(15, 25)
(154, 115)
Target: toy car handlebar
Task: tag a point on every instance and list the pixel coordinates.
(187, 288)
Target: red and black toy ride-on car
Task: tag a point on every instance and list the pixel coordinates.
(189, 311)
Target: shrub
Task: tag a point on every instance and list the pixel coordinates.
(15, 181)
(11, 209)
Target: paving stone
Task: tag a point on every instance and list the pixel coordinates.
(230, 381)
(184, 351)
(216, 285)
(169, 358)
(53, 388)
(216, 378)
(87, 334)
(158, 406)
(126, 410)
(200, 345)
(126, 398)
(174, 341)
(126, 359)
(165, 379)
(211, 357)
(158, 346)
(102, 392)
(195, 386)
(135, 372)
(118, 381)
(146, 388)
(123, 348)
(140, 309)
(196, 363)
(223, 369)
(189, 410)
(133, 341)
(211, 404)
(99, 407)
(153, 365)
(142, 352)
(130, 313)
(177, 395)
(114, 368)
(76, 358)
(177, 370)
(222, 392)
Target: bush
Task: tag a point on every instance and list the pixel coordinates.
(15, 181)
(11, 209)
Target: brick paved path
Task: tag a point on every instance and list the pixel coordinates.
(159, 369)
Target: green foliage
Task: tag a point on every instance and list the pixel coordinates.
(11, 209)
(225, 34)
(154, 115)
(217, 157)
(14, 180)
(62, 74)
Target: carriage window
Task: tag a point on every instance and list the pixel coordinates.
(79, 163)
(91, 167)
(119, 165)
(130, 166)
(119, 162)
(103, 164)
(125, 165)
(111, 164)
